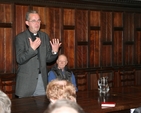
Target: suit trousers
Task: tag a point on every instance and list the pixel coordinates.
(40, 87)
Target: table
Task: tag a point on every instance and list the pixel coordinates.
(36, 104)
(125, 98)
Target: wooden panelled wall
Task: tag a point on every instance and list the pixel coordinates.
(91, 39)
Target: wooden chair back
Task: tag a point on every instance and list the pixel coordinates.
(8, 83)
(127, 76)
(81, 81)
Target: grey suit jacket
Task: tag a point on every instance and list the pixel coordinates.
(29, 62)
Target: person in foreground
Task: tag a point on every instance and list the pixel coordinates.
(33, 50)
(60, 89)
(5, 103)
(135, 110)
(64, 106)
(61, 71)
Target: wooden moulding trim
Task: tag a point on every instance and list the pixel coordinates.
(85, 4)
(5, 25)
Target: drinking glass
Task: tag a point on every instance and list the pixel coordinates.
(103, 86)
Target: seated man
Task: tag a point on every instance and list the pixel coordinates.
(60, 71)
(60, 89)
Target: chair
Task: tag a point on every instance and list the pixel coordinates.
(127, 76)
(81, 81)
(7, 84)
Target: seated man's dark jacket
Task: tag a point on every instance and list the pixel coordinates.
(63, 75)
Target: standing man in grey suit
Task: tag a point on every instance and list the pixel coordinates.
(33, 51)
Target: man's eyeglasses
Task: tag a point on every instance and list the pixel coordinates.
(34, 21)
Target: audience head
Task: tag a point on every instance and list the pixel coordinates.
(64, 106)
(61, 61)
(5, 103)
(60, 89)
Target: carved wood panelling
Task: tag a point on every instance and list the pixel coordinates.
(137, 38)
(68, 35)
(129, 38)
(20, 11)
(6, 39)
(69, 47)
(81, 21)
(81, 25)
(138, 48)
(53, 22)
(95, 39)
(106, 38)
(68, 17)
(118, 48)
(118, 38)
(95, 48)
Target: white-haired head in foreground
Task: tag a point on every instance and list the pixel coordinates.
(5, 103)
(64, 106)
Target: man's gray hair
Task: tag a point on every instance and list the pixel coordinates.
(30, 12)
